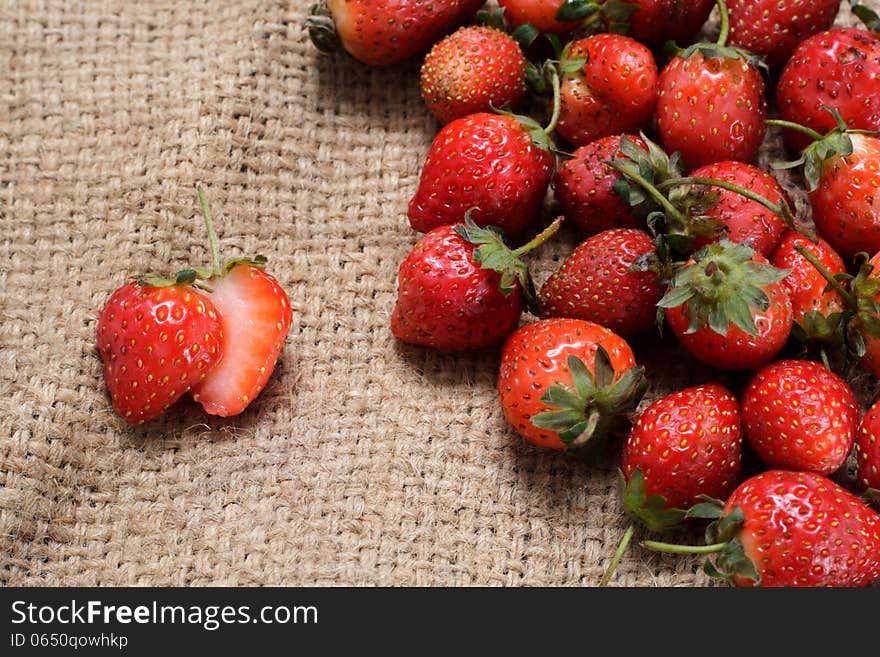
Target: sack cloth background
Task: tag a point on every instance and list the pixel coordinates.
(364, 461)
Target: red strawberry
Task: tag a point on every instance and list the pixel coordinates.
(596, 283)
(475, 69)
(805, 285)
(774, 28)
(487, 162)
(840, 69)
(156, 341)
(711, 105)
(256, 315)
(846, 205)
(564, 382)
(387, 32)
(798, 415)
(609, 86)
(686, 444)
(232, 328)
(729, 308)
(783, 528)
(657, 21)
(681, 448)
(744, 219)
(868, 448)
(540, 14)
(461, 288)
(585, 187)
(861, 299)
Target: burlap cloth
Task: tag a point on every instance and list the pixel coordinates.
(364, 461)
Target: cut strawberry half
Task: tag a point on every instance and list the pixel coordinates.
(255, 315)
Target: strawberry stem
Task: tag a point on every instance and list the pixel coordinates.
(671, 548)
(812, 134)
(216, 265)
(653, 191)
(624, 543)
(725, 22)
(847, 296)
(557, 102)
(783, 212)
(539, 239)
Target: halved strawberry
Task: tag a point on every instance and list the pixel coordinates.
(255, 315)
(156, 339)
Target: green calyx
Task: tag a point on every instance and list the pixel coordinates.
(541, 134)
(654, 511)
(722, 539)
(201, 277)
(650, 184)
(861, 318)
(819, 335)
(722, 286)
(615, 14)
(867, 15)
(492, 253)
(720, 49)
(864, 322)
(586, 412)
(836, 143)
(577, 10)
(321, 29)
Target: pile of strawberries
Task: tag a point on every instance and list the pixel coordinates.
(684, 232)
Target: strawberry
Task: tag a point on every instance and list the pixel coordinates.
(686, 444)
(683, 447)
(685, 213)
(255, 314)
(711, 104)
(846, 206)
(226, 326)
(784, 528)
(156, 340)
(462, 288)
(585, 187)
(381, 33)
(609, 86)
(868, 448)
(728, 307)
(597, 283)
(540, 14)
(861, 300)
(565, 382)
(798, 415)
(842, 171)
(839, 69)
(774, 28)
(805, 285)
(744, 219)
(475, 69)
(655, 22)
(498, 165)
(649, 21)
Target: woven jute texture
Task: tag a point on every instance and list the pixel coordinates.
(364, 461)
